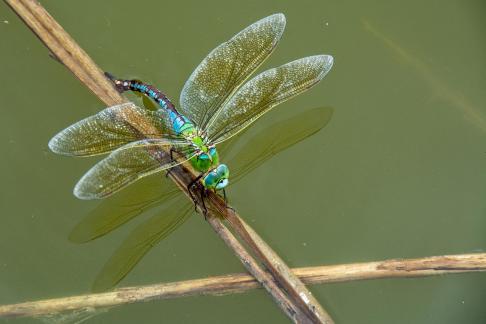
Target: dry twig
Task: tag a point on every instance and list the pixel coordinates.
(299, 304)
(237, 283)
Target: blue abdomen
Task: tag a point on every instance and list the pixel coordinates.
(180, 123)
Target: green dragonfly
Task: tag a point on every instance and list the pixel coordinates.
(169, 207)
(215, 105)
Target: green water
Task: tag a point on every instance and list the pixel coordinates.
(399, 171)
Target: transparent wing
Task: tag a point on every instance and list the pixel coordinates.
(264, 92)
(128, 164)
(176, 210)
(108, 130)
(227, 66)
(141, 240)
(276, 139)
(118, 209)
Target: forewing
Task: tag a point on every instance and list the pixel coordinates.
(108, 130)
(227, 66)
(128, 164)
(264, 92)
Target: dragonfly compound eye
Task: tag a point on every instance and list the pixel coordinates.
(222, 184)
(222, 171)
(217, 178)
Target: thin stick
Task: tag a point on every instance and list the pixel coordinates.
(65, 49)
(284, 275)
(238, 283)
(264, 278)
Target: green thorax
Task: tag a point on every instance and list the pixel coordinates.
(206, 156)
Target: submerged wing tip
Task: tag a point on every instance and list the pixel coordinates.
(278, 17)
(326, 61)
(80, 194)
(329, 60)
(62, 143)
(55, 146)
(279, 20)
(83, 194)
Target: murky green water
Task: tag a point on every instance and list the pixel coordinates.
(399, 171)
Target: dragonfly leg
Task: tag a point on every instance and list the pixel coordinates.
(224, 196)
(189, 189)
(171, 151)
(205, 209)
(226, 201)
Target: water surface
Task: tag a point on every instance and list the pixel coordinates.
(398, 172)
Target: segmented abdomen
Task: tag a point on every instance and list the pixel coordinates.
(179, 122)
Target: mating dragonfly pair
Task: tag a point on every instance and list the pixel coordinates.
(214, 106)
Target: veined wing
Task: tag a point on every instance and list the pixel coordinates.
(141, 240)
(128, 164)
(227, 66)
(176, 210)
(264, 92)
(108, 130)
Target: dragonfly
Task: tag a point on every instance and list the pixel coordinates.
(168, 207)
(215, 105)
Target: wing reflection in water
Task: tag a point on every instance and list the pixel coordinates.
(174, 208)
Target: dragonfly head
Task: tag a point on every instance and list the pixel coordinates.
(217, 178)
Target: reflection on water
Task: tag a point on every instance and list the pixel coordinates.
(439, 87)
(391, 174)
(119, 209)
(174, 207)
(173, 213)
